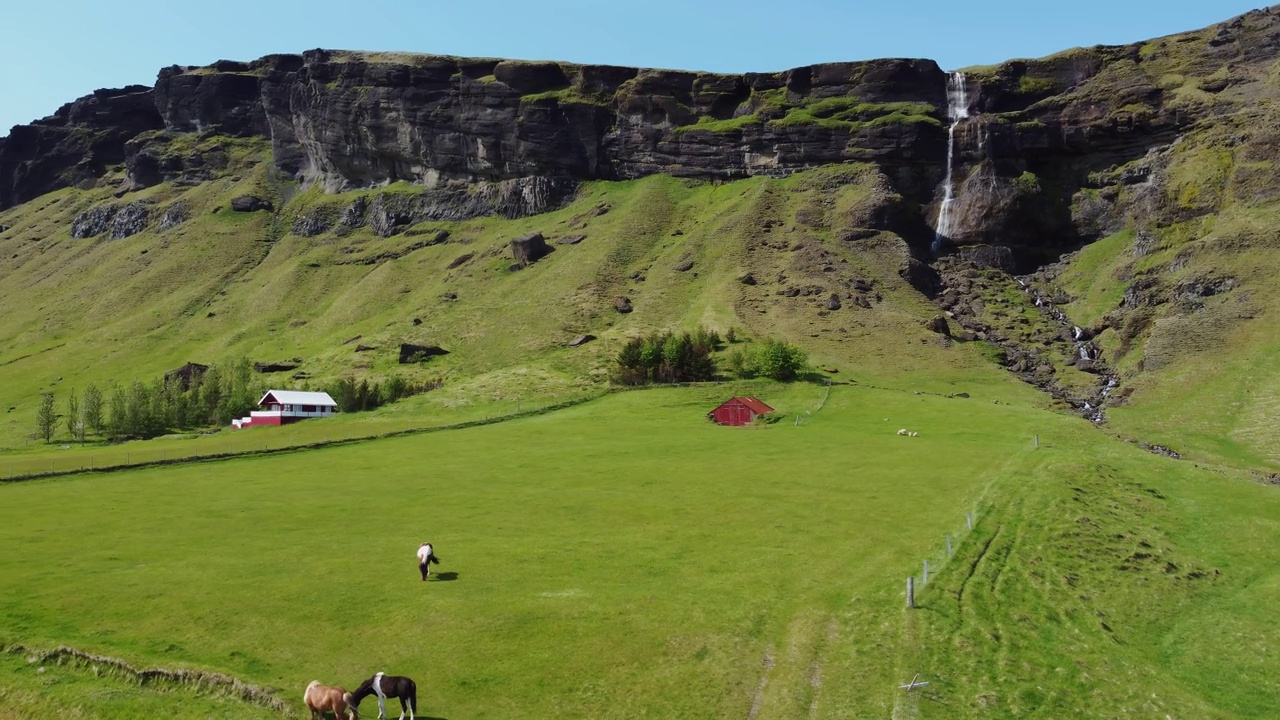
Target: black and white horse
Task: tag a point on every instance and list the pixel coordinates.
(385, 686)
(426, 556)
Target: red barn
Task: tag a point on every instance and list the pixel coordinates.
(739, 411)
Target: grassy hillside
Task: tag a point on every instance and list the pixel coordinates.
(226, 284)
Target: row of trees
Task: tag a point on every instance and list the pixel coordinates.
(355, 397)
(212, 398)
(668, 357)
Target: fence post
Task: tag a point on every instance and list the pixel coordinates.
(911, 592)
(925, 581)
(1037, 440)
(969, 519)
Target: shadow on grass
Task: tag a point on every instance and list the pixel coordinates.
(445, 577)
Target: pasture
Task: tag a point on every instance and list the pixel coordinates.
(626, 558)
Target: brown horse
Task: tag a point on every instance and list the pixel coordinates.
(323, 698)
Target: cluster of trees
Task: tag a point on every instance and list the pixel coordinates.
(147, 410)
(355, 397)
(668, 358)
(771, 358)
(686, 357)
(214, 397)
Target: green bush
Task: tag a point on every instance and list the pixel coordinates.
(779, 360)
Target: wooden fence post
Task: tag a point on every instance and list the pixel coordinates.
(925, 581)
(911, 592)
(969, 519)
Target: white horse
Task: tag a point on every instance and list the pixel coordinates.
(426, 556)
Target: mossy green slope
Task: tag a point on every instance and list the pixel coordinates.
(225, 284)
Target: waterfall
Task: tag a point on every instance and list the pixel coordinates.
(957, 112)
(1078, 332)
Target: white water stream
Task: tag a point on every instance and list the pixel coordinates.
(957, 112)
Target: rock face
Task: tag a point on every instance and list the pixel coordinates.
(1048, 147)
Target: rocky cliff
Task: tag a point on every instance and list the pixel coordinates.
(1040, 134)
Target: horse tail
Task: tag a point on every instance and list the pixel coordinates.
(413, 697)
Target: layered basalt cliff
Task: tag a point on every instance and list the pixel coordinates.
(1039, 131)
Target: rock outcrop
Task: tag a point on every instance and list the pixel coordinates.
(1049, 146)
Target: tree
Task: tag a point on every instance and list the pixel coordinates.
(779, 360)
(118, 414)
(75, 419)
(739, 364)
(46, 417)
(92, 409)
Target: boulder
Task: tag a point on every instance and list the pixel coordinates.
(685, 266)
(410, 353)
(461, 260)
(250, 203)
(529, 249)
(571, 239)
(581, 340)
(747, 279)
(938, 325)
(833, 302)
(449, 296)
(622, 304)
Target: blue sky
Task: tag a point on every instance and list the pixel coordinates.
(52, 53)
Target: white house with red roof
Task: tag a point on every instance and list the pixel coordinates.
(281, 407)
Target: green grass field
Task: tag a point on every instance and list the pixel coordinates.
(626, 558)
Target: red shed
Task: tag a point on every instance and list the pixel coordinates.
(739, 411)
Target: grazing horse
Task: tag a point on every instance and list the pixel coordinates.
(385, 686)
(321, 698)
(426, 556)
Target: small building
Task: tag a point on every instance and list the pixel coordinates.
(281, 407)
(739, 411)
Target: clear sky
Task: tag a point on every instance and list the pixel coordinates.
(54, 52)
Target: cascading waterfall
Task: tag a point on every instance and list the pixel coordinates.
(957, 112)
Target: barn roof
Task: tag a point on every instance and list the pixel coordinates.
(753, 404)
(295, 397)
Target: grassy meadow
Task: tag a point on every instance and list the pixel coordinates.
(626, 558)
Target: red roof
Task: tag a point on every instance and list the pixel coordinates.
(755, 405)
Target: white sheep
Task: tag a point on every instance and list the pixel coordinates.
(903, 431)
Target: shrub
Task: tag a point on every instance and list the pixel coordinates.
(779, 360)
